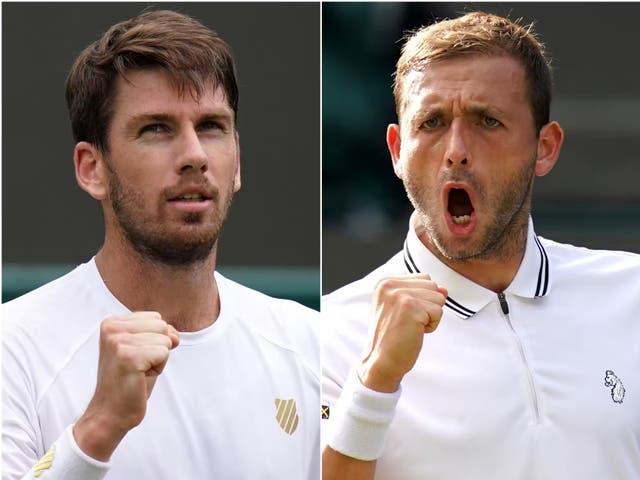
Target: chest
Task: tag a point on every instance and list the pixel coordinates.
(238, 408)
(538, 389)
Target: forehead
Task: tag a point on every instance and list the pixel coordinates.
(497, 81)
(149, 91)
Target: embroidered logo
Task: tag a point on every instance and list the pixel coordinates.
(617, 388)
(326, 412)
(45, 462)
(287, 415)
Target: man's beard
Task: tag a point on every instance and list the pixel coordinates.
(503, 236)
(156, 241)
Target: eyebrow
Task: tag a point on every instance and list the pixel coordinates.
(162, 116)
(141, 118)
(482, 109)
(474, 109)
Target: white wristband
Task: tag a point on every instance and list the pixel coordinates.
(360, 420)
(66, 461)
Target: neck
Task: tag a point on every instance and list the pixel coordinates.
(495, 268)
(185, 296)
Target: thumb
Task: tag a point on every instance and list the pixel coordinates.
(174, 336)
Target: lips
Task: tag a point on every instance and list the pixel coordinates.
(193, 199)
(189, 197)
(190, 194)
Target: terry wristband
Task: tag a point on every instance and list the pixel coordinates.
(361, 419)
(66, 460)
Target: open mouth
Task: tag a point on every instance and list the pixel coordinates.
(460, 206)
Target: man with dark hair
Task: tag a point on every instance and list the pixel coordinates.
(531, 353)
(197, 376)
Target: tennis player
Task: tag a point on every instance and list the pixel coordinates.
(143, 363)
(481, 350)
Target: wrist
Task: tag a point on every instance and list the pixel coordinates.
(375, 376)
(97, 436)
(361, 420)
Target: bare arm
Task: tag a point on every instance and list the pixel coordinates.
(336, 466)
(406, 308)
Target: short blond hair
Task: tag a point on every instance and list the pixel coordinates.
(479, 33)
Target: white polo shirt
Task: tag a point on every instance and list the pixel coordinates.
(549, 390)
(236, 400)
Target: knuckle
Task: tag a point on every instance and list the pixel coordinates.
(109, 325)
(123, 354)
(406, 302)
(430, 285)
(385, 285)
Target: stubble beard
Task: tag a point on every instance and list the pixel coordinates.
(503, 237)
(155, 242)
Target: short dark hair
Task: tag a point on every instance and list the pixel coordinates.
(193, 56)
(480, 33)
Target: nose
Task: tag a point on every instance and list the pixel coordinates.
(456, 153)
(192, 155)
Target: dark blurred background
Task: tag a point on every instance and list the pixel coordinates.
(272, 237)
(591, 197)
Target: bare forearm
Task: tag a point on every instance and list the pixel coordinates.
(336, 466)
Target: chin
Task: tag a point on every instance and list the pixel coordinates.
(455, 248)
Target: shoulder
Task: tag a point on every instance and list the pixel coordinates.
(285, 324)
(56, 302)
(356, 296)
(59, 317)
(605, 263)
(347, 312)
(45, 328)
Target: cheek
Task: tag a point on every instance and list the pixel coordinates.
(222, 156)
(419, 160)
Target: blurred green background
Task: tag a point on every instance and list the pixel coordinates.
(591, 198)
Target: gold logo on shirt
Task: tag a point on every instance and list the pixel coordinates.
(326, 412)
(287, 415)
(45, 462)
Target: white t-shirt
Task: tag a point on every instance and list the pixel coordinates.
(550, 390)
(237, 400)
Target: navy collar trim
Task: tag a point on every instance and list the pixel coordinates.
(543, 274)
(456, 307)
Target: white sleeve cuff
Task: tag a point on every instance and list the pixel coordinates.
(361, 419)
(66, 461)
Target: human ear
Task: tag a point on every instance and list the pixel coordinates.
(393, 143)
(90, 170)
(549, 144)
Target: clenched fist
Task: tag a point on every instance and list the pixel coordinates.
(134, 349)
(406, 308)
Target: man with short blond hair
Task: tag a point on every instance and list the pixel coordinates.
(478, 350)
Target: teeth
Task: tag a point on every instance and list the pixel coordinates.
(461, 220)
(192, 196)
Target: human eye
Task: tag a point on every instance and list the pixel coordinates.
(211, 125)
(432, 122)
(154, 129)
(490, 122)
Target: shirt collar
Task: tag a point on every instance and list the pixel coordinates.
(466, 297)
